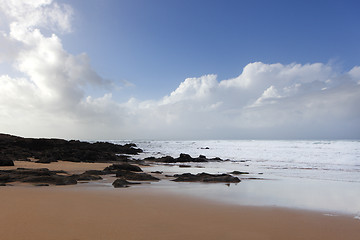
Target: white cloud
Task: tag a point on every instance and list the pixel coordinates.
(49, 95)
(264, 101)
(38, 13)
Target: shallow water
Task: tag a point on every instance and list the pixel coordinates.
(314, 175)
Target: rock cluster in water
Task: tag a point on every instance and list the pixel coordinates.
(181, 159)
(206, 177)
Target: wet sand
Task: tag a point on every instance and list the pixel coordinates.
(73, 212)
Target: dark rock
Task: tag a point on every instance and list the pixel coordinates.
(95, 172)
(2, 184)
(123, 166)
(6, 162)
(51, 150)
(184, 166)
(135, 176)
(122, 183)
(41, 185)
(184, 157)
(122, 158)
(5, 177)
(55, 180)
(41, 176)
(238, 172)
(86, 177)
(181, 159)
(158, 172)
(206, 177)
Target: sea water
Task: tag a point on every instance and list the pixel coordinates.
(314, 175)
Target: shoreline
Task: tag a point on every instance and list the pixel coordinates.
(247, 193)
(73, 212)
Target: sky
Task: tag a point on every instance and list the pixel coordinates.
(180, 69)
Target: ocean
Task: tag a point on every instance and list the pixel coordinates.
(313, 175)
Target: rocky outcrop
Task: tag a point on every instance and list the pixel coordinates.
(51, 150)
(135, 176)
(206, 177)
(122, 166)
(37, 176)
(181, 159)
(122, 183)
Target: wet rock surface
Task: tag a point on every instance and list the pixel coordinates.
(136, 176)
(206, 177)
(38, 176)
(122, 166)
(122, 183)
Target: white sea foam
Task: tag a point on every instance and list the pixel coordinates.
(327, 160)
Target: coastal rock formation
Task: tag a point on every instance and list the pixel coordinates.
(38, 176)
(206, 177)
(135, 176)
(52, 150)
(122, 166)
(181, 159)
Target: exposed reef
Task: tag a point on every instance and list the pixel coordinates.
(51, 150)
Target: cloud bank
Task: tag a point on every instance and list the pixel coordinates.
(47, 93)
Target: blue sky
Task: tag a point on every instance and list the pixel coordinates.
(157, 44)
(180, 69)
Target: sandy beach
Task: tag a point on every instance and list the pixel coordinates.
(72, 212)
(86, 212)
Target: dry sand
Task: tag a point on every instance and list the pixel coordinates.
(70, 167)
(72, 212)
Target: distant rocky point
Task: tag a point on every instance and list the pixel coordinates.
(51, 150)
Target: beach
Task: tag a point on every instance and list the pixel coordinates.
(94, 209)
(71, 212)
